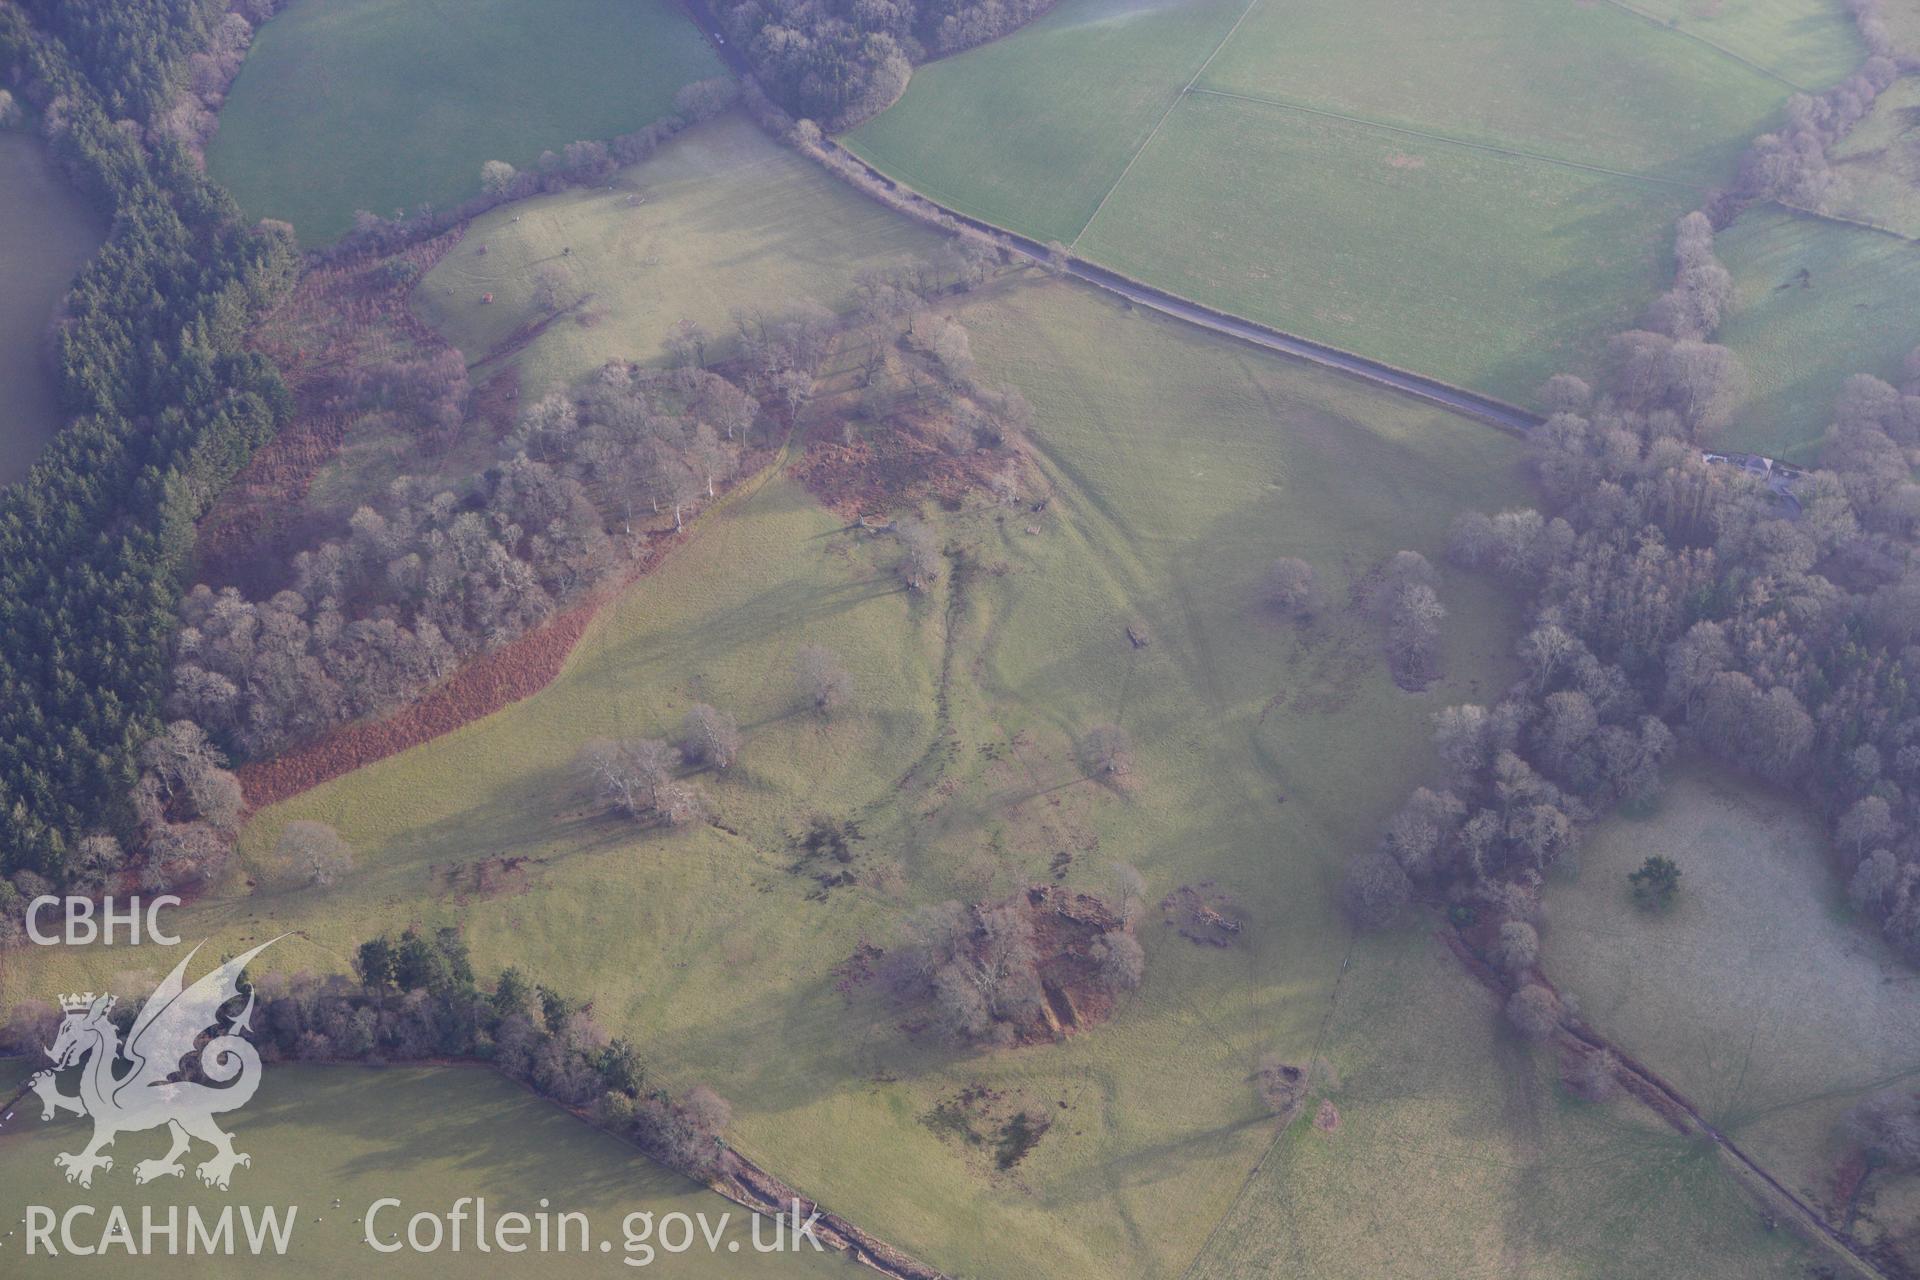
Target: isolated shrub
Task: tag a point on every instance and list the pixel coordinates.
(1534, 1011)
(1292, 587)
(1656, 883)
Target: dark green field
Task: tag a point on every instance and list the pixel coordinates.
(384, 104)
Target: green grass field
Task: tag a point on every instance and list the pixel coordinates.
(1459, 1154)
(1758, 994)
(1587, 84)
(381, 105)
(726, 219)
(1464, 300)
(316, 1133)
(1879, 162)
(1810, 43)
(1535, 158)
(1857, 310)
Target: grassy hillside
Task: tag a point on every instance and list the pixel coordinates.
(1175, 466)
(428, 1137)
(1879, 162)
(1810, 43)
(1856, 309)
(1589, 84)
(1458, 1153)
(1178, 466)
(1758, 994)
(720, 218)
(1513, 135)
(381, 105)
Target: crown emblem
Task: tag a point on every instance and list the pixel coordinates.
(81, 1003)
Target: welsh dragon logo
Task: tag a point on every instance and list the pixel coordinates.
(130, 1087)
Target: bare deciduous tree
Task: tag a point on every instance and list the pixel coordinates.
(314, 852)
(710, 736)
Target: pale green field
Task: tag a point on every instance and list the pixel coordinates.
(1589, 84)
(1758, 994)
(381, 105)
(1859, 312)
(1459, 1154)
(1536, 156)
(1880, 162)
(1519, 271)
(727, 220)
(1810, 43)
(1031, 130)
(425, 1136)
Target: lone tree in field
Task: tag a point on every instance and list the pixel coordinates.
(1292, 588)
(919, 554)
(710, 737)
(1534, 1012)
(315, 852)
(823, 681)
(637, 778)
(1107, 751)
(1656, 883)
(1374, 889)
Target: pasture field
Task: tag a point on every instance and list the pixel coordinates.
(1880, 162)
(1459, 1153)
(1586, 84)
(1473, 270)
(1031, 130)
(1757, 994)
(320, 1132)
(1462, 301)
(383, 105)
(1855, 309)
(1178, 465)
(1809, 43)
(46, 234)
(719, 218)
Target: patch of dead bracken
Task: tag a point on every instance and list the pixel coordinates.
(339, 317)
(900, 464)
(1203, 913)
